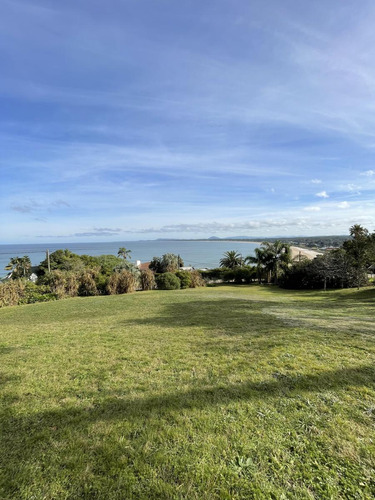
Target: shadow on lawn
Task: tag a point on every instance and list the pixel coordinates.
(226, 316)
(117, 407)
(29, 438)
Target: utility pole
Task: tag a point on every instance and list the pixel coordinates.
(48, 261)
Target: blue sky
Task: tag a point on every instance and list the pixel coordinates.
(133, 119)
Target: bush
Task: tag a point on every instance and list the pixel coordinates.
(240, 275)
(185, 278)
(55, 281)
(168, 281)
(147, 279)
(122, 282)
(214, 274)
(87, 284)
(17, 292)
(196, 279)
(11, 293)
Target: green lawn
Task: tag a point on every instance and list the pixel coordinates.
(225, 392)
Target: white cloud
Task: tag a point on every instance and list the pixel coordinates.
(312, 209)
(322, 194)
(316, 181)
(343, 204)
(368, 173)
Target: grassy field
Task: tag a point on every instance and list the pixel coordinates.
(226, 392)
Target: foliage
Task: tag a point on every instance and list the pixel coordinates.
(168, 281)
(62, 260)
(359, 250)
(271, 259)
(215, 274)
(20, 267)
(87, 282)
(122, 282)
(231, 260)
(196, 279)
(330, 270)
(147, 279)
(21, 291)
(168, 262)
(56, 281)
(245, 274)
(124, 253)
(185, 278)
(106, 263)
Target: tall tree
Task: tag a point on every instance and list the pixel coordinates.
(358, 249)
(231, 260)
(20, 267)
(124, 253)
(273, 258)
(260, 259)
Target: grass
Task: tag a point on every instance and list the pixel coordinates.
(225, 392)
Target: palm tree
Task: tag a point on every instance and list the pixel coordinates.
(280, 257)
(231, 259)
(272, 258)
(261, 259)
(124, 253)
(19, 266)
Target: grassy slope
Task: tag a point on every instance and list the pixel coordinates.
(227, 392)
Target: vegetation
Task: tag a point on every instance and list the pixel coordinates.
(345, 267)
(167, 263)
(124, 253)
(19, 267)
(226, 392)
(147, 279)
(168, 281)
(272, 259)
(231, 260)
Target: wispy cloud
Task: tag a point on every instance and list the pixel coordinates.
(123, 141)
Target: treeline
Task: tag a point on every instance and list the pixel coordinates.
(348, 266)
(65, 274)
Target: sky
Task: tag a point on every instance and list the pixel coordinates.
(143, 119)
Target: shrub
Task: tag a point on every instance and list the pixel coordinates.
(168, 281)
(196, 279)
(11, 293)
(214, 274)
(127, 282)
(167, 263)
(185, 278)
(87, 284)
(122, 282)
(147, 279)
(240, 274)
(17, 292)
(55, 280)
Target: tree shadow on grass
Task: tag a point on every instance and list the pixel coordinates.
(29, 438)
(226, 316)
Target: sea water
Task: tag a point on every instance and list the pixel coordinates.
(198, 254)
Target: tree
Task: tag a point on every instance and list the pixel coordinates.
(358, 249)
(20, 267)
(124, 253)
(63, 260)
(261, 259)
(273, 258)
(231, 260)
(279, 254)
(167, 263)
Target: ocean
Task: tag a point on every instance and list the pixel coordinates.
(199, 254)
